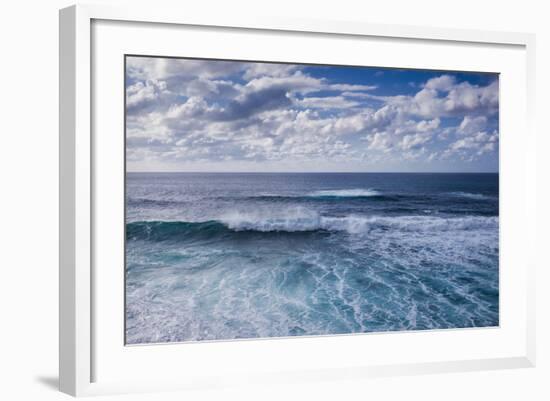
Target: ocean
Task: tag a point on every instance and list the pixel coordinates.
(218, 256)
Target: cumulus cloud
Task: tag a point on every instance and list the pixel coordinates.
(205, 87)
(255, 70)
(144, 93)
(466, 97)
(380, 141)
(473, 146)
(183, 111)
(442, 83)
(456, 100)
(470, 125)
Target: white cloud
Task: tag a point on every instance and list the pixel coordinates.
(473, 146)
(297, 82)
(458, 99)
(466, 97)
(470, 125)
(442, 83)
(193, 110)
(160, 68)
(425, 125)
(266, 69)
(205, 87)
(194, 107)
(351, 88)
(380, 141)
(414, 140)
(329, 102)
(146, 92)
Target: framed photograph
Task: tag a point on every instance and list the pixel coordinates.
(277, 200)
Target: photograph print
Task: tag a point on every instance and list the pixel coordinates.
(276, 200)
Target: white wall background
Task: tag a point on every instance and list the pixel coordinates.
(29, 185)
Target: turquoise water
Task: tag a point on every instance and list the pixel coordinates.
(226, 256)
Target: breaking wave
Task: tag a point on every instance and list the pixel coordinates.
(470, 195)
(307, 222)
(346, 193)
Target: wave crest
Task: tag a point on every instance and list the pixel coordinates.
(469, 195)
(294, 219)
(355, 224)
(301, 221)
(346, 193)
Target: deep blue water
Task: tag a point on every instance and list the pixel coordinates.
(222, 256)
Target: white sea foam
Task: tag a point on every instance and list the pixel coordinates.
(346, 193)
(292, 219)
(301, 219)
(469, 195)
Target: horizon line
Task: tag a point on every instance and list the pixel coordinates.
(316, 172)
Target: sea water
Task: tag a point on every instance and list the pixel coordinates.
(214, 256)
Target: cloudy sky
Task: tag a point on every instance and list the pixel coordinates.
(209, 115)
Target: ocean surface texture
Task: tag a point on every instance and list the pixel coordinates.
(224, 256)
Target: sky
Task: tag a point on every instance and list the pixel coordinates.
(224, 116)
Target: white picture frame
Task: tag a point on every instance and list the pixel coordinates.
(78, 367)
